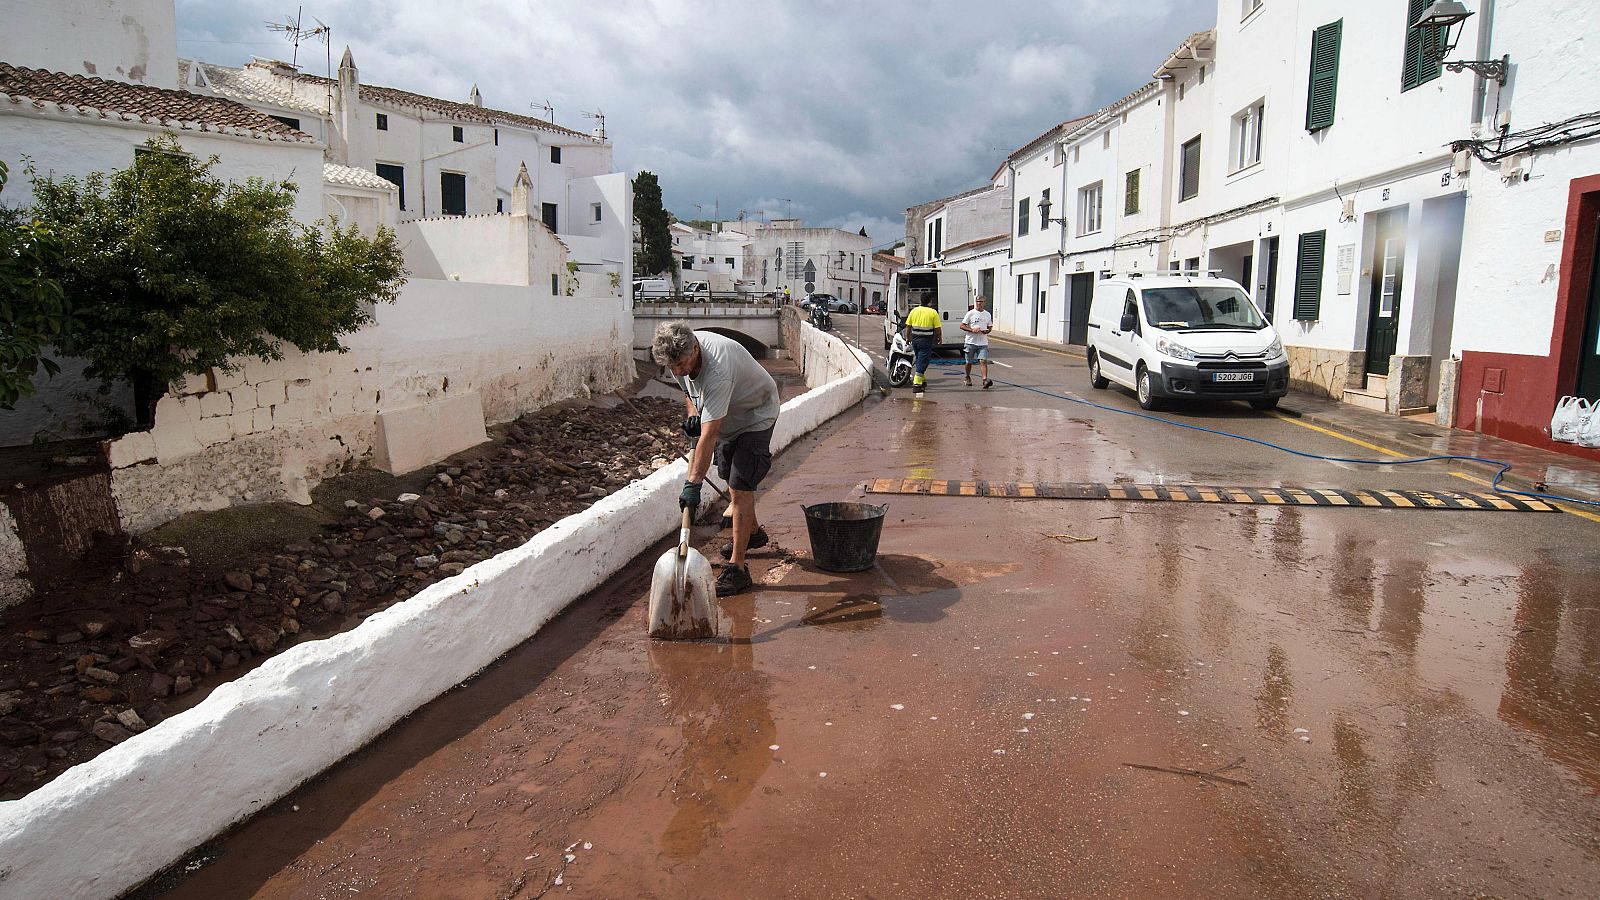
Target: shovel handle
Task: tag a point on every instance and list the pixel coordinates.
(683, 534)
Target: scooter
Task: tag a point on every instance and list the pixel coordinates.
(820, 317)
(901, 361)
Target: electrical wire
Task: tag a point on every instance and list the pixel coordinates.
(1495, 485)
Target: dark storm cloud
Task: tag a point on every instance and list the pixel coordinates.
(851, 111)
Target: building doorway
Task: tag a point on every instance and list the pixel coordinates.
(1589, 356)
(1388, 270)
(1078, 312)
(1269, 288)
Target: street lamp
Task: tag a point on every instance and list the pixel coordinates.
(1449, 17)
(1044, 215)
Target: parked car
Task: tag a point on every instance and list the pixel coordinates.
(814, 299)
(874, 309)
(1184, 337)
(845, 307)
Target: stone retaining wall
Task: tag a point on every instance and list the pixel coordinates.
(1326, 373)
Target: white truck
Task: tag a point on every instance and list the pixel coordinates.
(952, 293)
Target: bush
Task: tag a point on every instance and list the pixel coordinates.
(172, 272)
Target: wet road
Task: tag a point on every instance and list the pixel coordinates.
(1413, 695)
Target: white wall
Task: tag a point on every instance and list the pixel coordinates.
(1507, 293)
(272, 431)
(128, 40)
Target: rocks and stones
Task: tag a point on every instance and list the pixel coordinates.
(239, 581)
(110, 732)
(426, 562)
(151, 641)
(131, 720)
(101, 676)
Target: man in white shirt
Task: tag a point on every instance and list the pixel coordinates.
(977, 323)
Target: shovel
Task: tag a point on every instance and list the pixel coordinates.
(681, 589)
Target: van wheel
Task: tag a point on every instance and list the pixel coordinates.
(1147, 390)
(1265, 403)
(1097, 380)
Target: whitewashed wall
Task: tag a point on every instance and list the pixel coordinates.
(272, 431)
(129, 40)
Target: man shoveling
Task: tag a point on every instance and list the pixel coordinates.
(731, 406)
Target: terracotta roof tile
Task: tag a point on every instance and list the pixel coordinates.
(147, 104)
(372, 93)
(333, 173)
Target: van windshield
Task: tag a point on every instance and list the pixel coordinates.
(1200, 308)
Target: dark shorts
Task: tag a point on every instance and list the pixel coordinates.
(745, 460)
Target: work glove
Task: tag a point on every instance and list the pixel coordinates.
(691, 427)
(690, 498)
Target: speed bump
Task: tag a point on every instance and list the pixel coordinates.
(1204, 493)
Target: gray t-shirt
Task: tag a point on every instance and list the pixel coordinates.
(732, 387)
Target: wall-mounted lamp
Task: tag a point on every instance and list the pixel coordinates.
(1044, 215)
(1449, 18)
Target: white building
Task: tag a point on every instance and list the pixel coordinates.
(716, 256)
(784, 254)
(970, 231)
(80, 92)
(1035, 307)
(448, 158)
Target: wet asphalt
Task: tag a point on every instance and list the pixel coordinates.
(1399, 703)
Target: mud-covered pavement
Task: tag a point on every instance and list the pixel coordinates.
(1413, 696)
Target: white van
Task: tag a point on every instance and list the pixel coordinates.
(661, 288)
(952, 291)
(1184, 337)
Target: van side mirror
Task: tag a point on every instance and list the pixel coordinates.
(1128, 322)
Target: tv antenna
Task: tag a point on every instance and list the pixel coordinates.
(295, 31)
(549, 111)
(599, 117)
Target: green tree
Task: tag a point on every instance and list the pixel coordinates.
(173, 271)
(654, 254)
(34, 312)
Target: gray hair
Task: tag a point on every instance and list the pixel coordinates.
(673, 342)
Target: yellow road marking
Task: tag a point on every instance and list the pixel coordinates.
(1208, 495)
(1148, 494)
(1343, 437)
(1566, 508)
(1025, 489)
(1331, 497)
(1273, 498)
(1397, 499)
(969, 489)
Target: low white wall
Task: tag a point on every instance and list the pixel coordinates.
(272, 431)
(106, 825)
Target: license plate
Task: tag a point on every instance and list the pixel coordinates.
(1233, 376)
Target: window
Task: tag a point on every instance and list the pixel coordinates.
(1192, 265)
(396, 175)
(548, 213)
(595, 207)
(289, 121)
(1247, 136)
(458, 134)
(1130, 193)
(383, 122)
(1308, 275)
(1189, 186)
(1089, 202)
(497, 137)
(688, 262)
(555, 154)
(1424, 54)
(1105, 141)
(1019, 288)
(555, 285)
(499, 204)
(1022, 216)
(1322, 89)
(727, 260)
(1202, 79)
(1247, 7)
(453, 193)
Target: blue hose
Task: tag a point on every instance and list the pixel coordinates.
(1495, 485)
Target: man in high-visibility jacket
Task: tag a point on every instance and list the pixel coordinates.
(922, 329)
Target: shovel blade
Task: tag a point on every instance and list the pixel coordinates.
(686, 611)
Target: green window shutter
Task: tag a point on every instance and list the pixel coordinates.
(1308, 276)
(1324, 83)
(1421, 63)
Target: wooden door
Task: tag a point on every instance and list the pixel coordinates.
(1388, 270)
(1078, 314)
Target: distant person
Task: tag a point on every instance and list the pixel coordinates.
(922, 329)
(730, 405)
(977, 323)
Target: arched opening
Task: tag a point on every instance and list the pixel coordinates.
(757, 349)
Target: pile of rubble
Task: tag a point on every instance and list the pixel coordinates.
(141, 633)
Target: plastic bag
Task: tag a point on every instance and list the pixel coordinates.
(1572, 413)
(1589, 429)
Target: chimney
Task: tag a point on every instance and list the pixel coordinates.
(521, 191)
(345, 115)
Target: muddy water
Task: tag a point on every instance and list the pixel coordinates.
(1410, 697)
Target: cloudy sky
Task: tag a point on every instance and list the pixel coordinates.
(842, 111)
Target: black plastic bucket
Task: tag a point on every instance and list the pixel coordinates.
(844, 536)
